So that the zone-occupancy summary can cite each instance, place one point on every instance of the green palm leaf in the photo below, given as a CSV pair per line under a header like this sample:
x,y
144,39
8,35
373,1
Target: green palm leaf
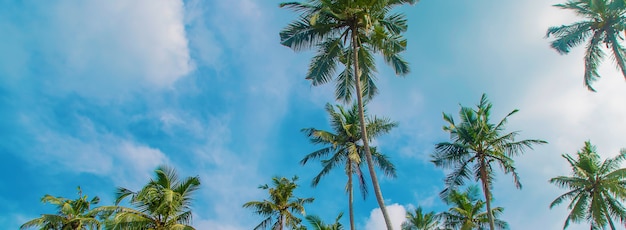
x,y
596,189
603,21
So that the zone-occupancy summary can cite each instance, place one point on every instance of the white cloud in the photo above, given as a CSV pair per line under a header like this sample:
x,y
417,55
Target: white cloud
x,y
203,41
397,214
140,159
101,49
91,150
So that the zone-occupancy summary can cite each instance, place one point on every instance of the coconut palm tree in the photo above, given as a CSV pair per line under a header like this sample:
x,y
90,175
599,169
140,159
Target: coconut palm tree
x,y
350,32
596,188
343,144
278,210
162,204
603,21
317,223
71,214
418,220
467,211
476,145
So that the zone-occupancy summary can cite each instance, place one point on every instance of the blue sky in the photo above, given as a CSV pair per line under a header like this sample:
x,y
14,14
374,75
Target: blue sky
x,y
99,93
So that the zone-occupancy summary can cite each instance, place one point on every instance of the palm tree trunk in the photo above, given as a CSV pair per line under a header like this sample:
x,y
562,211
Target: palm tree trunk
x,y
350,195
368,154
485,182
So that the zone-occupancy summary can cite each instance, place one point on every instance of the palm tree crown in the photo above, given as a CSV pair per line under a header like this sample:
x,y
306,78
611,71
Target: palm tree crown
x,y
476,145
162,204
468,212
339,27
597,188
350,32
71,214
604,19
278,210
344,146
317,223
418,220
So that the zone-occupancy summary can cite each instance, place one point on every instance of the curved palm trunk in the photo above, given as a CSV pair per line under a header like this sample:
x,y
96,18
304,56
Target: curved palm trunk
x,y
483,178
368,154
350,195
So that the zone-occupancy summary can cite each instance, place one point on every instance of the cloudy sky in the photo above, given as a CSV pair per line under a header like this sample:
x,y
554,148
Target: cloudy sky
x,y
98,93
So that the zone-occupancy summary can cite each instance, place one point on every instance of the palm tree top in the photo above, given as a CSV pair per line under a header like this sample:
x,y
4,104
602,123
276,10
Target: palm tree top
x,y
343,144
468,211
596,188
604,20
278,209
317,223
333,26
163,203
71,214
419,220
476,138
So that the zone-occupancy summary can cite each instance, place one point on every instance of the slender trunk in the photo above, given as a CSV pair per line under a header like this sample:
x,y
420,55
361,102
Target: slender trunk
x,y
485,182
350,195
368,154
282,222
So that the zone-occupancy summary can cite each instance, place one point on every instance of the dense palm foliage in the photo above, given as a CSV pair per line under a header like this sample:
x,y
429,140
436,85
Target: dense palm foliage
x,y
343,144
317,223
597,188
162,204
467,211
418,220
71,214
476,145
279,209
604,20
350,32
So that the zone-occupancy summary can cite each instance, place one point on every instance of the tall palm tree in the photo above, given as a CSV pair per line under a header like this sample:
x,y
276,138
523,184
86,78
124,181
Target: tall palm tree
x,y
468,213
317,223
162,204
476,145
343,144
597,188
350,32
604,19
418,220
279,209
71,214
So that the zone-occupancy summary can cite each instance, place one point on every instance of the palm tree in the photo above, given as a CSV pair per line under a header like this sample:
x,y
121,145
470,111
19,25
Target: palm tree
x,y
597,189
278,209
417,220
467,211
476,145
162,204
604,19
318,224
343,144
71,214
350,32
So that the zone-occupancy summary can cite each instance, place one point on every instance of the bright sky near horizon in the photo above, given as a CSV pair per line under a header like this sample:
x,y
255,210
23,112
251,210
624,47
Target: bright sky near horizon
x,y
98,93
